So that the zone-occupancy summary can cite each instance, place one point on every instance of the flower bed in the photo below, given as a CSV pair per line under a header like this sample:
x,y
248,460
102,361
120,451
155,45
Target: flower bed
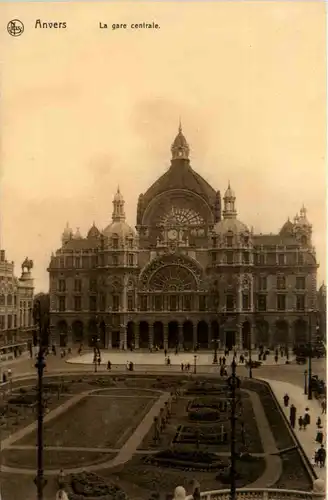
x,y
186,459
88,485
204,415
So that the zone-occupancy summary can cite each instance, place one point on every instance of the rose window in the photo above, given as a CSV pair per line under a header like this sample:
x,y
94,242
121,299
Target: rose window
x,y
181,217
172,278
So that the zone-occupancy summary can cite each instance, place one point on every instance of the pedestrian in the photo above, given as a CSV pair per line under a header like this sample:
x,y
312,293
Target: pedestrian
x,y
61,479
182,367
300,423
188,367
307,418
318,424
319,437
127,365
220,361
316,458
165,352
223,360
99,360
276,358
109,365
292,416
168,360
286,400
323,406
4,378
322,456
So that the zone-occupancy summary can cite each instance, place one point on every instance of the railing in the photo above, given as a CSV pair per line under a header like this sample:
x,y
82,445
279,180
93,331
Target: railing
x,y
263,494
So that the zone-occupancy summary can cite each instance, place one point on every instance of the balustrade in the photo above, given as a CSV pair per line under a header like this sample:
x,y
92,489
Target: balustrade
x,y
263,494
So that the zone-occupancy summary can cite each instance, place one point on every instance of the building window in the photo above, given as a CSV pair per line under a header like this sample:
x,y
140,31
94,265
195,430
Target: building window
x,y
2,300
281,302
94,261
187,303
246,257
229,257
62,286
230,303
300,302
115,260
93,303
261,259
229,241
262,283
158,303
261,302
61,262
202,303
143,303
130,259
93,285
9,324
130,243
77,304
130,303
102,302
62,304
246,302
173,301
15,300
9,300
281,259
301,258
214,242
116,302
214,257
281,282
77,285
115,242
2,322
78,262
15,321
300,282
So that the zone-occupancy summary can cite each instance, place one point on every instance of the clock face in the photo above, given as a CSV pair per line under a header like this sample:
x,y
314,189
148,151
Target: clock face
x,y
172,234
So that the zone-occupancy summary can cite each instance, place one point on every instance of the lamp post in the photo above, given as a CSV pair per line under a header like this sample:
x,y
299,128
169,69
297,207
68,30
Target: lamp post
x,y
310,357
250,361
215,357
305,382
234,383
195,364
40,365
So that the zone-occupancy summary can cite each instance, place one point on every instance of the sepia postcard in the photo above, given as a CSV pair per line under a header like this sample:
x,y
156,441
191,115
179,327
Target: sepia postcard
x,y
163,250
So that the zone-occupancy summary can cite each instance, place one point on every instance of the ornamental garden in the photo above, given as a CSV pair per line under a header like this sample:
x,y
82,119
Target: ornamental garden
x,y
139,436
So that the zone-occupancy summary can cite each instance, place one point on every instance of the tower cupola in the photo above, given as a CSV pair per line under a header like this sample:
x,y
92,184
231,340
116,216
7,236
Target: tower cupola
x,y
180,148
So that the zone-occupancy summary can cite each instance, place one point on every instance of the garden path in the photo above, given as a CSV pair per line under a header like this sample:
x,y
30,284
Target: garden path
x,y
273,468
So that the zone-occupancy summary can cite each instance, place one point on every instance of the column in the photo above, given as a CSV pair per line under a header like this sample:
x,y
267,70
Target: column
x,y
253,335
166,335
151,335
194,333
108,342
180,336
239,339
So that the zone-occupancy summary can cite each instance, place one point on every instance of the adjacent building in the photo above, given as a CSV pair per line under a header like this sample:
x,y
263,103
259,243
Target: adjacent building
x,y
16,298
190,273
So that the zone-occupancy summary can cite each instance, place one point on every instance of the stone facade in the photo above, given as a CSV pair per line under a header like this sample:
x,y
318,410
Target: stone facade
x,y
16,299
190,274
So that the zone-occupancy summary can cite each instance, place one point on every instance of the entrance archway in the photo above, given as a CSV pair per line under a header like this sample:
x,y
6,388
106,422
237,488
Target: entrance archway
x,y
102,335
301,334
173,335
188,334
116,341
158,340
62,330
130,338
92,332
143,334
230,339
202,335
77,331
281,333
246,335
262,333
215,330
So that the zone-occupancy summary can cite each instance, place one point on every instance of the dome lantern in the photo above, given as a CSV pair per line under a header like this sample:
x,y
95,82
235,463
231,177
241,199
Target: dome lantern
x,y
180,148
118,207
229,211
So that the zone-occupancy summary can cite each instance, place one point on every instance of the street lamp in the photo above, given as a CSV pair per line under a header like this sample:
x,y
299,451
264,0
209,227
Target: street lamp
x,y
215,357
250,361
234,383
305,382
38,316
195,363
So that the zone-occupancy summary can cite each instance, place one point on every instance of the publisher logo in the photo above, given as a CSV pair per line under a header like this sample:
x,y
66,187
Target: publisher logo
x,y
15,27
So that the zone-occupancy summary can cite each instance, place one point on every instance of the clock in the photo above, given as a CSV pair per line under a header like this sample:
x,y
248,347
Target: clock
x,y
172,234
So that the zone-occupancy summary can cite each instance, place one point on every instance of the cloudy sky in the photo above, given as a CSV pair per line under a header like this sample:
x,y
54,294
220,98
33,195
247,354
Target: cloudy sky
x,y
85,109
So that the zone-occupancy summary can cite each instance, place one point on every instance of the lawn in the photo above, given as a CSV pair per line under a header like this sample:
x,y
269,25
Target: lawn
x,y
95,422
54,459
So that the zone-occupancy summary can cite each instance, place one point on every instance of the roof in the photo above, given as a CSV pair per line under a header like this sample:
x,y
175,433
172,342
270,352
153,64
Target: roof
x,y
274,239
226,225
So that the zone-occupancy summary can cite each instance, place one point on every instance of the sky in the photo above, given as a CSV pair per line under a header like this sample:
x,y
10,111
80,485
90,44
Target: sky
x,y
87,109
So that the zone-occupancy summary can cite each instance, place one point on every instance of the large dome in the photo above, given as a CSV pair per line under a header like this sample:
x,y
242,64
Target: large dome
x,y
227,225
119,228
